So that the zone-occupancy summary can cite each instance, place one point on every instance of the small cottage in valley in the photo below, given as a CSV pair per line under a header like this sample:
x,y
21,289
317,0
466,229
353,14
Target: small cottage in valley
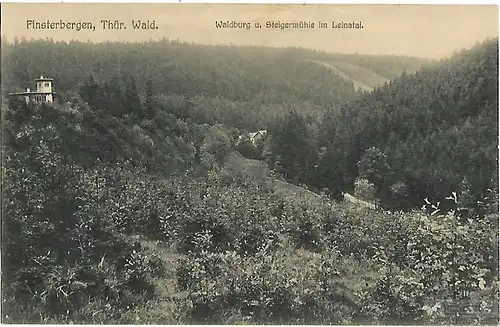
x,y
258,136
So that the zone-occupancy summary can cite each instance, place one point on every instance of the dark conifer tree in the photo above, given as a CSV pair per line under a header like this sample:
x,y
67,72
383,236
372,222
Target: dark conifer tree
x,y
150,100
93,93
116,98
133,100
291,147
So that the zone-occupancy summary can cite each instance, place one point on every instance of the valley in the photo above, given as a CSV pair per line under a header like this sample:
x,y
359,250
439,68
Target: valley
x,y
140,194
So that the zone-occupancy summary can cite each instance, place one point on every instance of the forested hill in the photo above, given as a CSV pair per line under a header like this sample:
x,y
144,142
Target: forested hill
x,y
434,131
222,83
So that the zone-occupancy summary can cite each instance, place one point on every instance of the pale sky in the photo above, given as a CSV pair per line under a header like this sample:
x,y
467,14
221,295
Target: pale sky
x,y
434,31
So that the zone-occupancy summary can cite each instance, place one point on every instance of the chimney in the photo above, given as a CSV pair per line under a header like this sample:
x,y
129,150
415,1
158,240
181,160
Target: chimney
x,y
28,90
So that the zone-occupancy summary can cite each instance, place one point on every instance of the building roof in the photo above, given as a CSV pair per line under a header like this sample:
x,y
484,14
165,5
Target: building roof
x,y
44,78
254,134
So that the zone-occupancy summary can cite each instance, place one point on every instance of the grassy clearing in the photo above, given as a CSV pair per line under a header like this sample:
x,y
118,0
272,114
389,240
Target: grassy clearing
x,y
362,78
237,164
362,75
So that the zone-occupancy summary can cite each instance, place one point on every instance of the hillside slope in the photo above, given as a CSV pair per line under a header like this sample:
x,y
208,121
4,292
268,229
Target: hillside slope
x,y
437,128
258,170
243,87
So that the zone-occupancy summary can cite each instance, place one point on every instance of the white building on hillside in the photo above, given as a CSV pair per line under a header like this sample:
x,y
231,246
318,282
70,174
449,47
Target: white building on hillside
x,y
44,91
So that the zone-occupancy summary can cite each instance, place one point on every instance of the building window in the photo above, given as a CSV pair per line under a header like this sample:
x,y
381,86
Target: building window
x,y
47,84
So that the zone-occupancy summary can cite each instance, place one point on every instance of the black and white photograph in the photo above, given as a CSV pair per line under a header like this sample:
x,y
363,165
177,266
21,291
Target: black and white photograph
x,y
249,164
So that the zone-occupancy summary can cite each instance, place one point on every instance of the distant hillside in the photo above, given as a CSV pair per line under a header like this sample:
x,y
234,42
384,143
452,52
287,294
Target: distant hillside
x,y
243,87
437,128
387,66
234,73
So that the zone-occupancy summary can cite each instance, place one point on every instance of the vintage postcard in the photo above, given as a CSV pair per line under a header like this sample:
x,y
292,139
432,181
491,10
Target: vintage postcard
x,y
249,164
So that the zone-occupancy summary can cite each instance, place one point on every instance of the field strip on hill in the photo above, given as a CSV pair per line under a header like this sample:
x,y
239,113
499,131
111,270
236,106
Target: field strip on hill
x,y
363,75
342,68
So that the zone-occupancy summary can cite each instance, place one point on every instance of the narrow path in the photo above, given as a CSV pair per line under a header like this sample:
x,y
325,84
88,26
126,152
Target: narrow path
x,y
349,198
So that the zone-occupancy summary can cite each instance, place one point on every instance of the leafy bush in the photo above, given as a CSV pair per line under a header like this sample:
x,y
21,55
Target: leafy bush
x,y
364,190
373,167
217,144
248,149
266,288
